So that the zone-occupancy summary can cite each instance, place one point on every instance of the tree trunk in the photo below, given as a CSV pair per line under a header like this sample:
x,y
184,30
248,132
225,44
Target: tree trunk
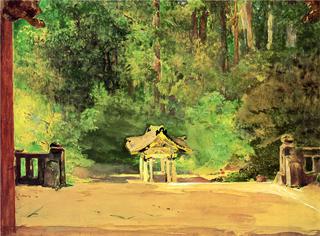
x,y
203,25
7,170
223,36
244,27
194,23
236,33
157,52
270,29
250,36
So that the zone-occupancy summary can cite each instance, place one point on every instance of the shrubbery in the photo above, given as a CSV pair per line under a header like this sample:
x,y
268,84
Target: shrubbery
x,y
88,81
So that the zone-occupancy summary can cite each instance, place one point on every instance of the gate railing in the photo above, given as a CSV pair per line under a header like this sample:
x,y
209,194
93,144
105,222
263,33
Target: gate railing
x,y
46,169
311,159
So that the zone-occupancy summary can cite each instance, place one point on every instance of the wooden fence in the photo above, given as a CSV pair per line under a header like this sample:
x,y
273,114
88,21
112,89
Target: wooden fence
x,y
46,169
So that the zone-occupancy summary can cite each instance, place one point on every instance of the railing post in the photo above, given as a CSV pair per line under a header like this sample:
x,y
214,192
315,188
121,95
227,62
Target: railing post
x,y
18,170
29,168
40,171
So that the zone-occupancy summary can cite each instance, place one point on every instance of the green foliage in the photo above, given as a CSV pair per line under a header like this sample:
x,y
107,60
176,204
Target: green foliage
x,y
212,133
82,44
39,123
35,122
196,4
286,102
116,117
237,177
87,81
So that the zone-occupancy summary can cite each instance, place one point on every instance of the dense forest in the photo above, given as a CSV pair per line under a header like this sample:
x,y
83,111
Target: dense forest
x,y
232,76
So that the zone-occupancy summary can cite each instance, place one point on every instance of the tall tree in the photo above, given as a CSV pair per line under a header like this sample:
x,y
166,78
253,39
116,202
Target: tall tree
x,y
247,10
270,28
157,53
194,23
236,33
203,25
84,53
223,36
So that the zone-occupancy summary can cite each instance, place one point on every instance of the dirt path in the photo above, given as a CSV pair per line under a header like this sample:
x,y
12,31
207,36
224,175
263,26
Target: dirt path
x,y
168,209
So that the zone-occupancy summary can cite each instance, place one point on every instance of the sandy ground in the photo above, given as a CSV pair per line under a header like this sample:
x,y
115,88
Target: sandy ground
x,y
136,208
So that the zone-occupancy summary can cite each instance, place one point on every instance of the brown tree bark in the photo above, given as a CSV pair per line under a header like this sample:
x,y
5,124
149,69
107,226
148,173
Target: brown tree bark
x,y
7,182
194,23
250,36
157,53
270,28
203,25
223,36
236,33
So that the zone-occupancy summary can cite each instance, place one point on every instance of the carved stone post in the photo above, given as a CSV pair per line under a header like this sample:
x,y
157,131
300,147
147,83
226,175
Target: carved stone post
x,y
284,153
316,164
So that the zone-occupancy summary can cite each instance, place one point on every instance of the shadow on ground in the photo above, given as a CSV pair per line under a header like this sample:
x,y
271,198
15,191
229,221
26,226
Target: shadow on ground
x,y
113,174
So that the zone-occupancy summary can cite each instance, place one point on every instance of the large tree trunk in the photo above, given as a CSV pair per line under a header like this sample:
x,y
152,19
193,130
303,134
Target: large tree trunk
x,y
203,25
157,48
223,36
236,33
7,182
270,29
246,19
250,36
194,23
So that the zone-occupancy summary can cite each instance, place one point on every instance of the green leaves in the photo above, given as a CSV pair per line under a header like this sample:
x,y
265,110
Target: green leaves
x,y
196,4
92,69
286,102
212,132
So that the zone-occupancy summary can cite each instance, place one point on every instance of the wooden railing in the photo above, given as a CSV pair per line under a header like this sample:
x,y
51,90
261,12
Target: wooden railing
x,y
50,168
311,159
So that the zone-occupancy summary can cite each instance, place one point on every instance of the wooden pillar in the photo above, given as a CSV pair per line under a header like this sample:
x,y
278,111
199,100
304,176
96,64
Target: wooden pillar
x,y
18,169
163,165
7,185
141,167
63,180
41,170
168,170
174,170
145,171
151,170
29,168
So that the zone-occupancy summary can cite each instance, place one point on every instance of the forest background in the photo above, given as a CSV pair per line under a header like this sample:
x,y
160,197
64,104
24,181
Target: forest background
x,y
232,76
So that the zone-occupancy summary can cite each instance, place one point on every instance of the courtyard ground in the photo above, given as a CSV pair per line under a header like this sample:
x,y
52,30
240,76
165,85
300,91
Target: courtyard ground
x,y
136,208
